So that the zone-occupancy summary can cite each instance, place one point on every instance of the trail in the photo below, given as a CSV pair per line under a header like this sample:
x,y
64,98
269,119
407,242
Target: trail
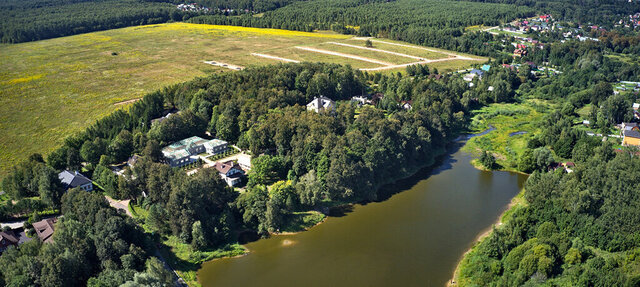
x,y
379,50
127,102
274,58
225,65
456,56
409,64
344,55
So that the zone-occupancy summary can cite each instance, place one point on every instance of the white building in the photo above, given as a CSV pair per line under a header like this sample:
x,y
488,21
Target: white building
x,y
321,104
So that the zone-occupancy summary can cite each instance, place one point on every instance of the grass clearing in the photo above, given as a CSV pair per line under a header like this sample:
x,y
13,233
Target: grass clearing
x,y
417,51
300,221
386,57
309,56
507,120
52,88
186,261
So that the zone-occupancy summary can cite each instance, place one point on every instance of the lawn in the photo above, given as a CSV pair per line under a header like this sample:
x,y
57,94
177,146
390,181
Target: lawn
x,y
52,88
507,119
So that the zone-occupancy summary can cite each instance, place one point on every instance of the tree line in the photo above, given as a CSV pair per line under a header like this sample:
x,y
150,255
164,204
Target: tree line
x,y
430,23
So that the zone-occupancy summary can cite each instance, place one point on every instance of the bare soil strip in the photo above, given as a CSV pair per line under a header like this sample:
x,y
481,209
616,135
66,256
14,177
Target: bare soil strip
x,y
344,55
409,64
379,50
127,102
458,57
274,58
224,65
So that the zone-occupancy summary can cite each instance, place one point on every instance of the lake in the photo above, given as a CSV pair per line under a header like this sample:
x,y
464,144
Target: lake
x,y
414,238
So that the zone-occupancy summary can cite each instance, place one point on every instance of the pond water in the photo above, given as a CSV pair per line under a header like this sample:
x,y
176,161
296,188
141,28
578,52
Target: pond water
x,y
414,238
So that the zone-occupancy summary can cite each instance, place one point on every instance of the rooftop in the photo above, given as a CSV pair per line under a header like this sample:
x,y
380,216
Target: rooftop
x,y
179,149
73,179
632,134
44,229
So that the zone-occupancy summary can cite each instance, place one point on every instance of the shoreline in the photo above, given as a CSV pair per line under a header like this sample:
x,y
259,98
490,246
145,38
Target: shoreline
x,y
483,235
453,145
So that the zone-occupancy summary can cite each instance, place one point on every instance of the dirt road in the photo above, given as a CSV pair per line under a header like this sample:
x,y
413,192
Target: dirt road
x,y
274,58
344,55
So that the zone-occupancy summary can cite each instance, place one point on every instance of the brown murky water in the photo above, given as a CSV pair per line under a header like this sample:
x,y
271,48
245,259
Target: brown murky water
x,y
414,238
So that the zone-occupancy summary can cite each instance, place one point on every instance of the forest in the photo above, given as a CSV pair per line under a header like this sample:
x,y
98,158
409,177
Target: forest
x,y
308,161
32,20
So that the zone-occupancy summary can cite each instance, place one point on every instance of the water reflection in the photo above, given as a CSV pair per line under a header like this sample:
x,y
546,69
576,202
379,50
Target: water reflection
x,y
414,237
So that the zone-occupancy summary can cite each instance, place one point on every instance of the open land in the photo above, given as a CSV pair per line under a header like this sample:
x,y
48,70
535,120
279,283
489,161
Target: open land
x,y
52,88
515,125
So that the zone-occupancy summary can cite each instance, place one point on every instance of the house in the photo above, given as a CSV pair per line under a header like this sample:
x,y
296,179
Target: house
x,y
469,77
321,104
361,100
477,72
184,152
519,53
244,160
230,171
636,106
377,97
75,179
215,146
7,239
133,160
406,105
569,166
163,118
631,138
44,229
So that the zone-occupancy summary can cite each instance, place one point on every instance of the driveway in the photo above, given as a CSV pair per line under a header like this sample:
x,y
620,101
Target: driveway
x,y
120,204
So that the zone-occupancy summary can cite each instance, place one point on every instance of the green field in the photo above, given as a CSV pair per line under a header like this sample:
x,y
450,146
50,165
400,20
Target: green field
x,y
507,119
52,88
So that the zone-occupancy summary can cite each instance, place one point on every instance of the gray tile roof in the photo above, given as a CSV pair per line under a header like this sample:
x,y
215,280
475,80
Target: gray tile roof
x,y
632,134
72,179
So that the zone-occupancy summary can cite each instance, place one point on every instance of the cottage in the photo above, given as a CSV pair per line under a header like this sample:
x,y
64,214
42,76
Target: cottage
x,y
74,180
321,104
45,228
230,172
7,239
469,77
631,138
215,146
519,53
361,100
406,105
184,152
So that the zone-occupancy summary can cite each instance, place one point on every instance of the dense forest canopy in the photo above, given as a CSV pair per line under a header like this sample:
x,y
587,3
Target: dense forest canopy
x,y
31,20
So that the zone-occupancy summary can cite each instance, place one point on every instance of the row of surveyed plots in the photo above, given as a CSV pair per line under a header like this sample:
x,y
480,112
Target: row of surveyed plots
x,y
381,55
